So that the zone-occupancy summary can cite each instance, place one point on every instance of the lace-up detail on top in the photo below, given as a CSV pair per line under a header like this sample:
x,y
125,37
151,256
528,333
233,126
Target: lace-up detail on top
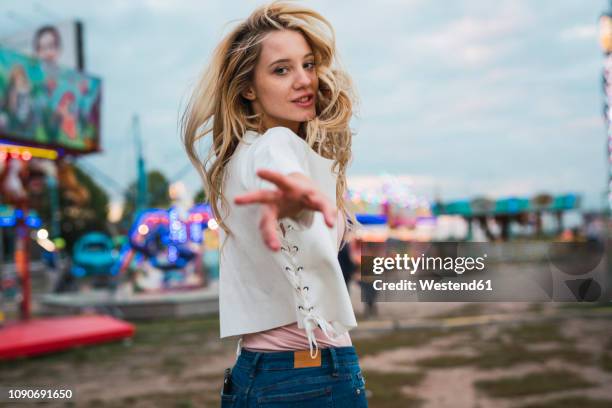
x,y
295,272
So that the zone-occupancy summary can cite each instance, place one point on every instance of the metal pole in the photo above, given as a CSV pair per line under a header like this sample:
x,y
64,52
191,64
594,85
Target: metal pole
x,y
22,265
1,246
141,186
55,230
607,82
606,40
608,131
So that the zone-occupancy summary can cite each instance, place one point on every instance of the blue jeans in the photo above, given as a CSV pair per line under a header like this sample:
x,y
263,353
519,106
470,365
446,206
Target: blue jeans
x,y
269,380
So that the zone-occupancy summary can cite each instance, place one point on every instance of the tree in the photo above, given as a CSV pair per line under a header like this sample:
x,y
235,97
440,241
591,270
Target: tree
x,y
83,206
200,196
157,195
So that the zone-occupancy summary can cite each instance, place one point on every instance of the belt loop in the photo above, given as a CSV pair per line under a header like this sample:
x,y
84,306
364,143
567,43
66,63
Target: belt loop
x,y
254,365
238,348
334,360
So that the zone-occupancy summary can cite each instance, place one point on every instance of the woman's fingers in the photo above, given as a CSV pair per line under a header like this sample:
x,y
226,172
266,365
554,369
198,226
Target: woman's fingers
x,y
280,180
258,197
294,195
267,226
318,202
269,214
330,215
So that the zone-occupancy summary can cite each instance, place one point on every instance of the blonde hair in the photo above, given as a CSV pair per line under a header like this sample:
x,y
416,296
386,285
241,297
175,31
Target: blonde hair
x,y
217,106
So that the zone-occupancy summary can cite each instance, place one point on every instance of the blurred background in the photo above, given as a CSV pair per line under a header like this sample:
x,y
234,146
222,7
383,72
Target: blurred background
x,y
479,122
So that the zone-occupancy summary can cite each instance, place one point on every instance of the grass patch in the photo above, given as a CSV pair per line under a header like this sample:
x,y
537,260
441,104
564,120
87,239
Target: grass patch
x,y
33,366
385,388
606,362
571,402
445,361
188,334
394,379
468,309
508,355
500,356
176,331
535,307
398,339
609,345
535,383
586,306
535,333
173,365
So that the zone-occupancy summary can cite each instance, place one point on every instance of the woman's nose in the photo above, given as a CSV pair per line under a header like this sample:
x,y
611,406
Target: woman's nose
x,y
303,78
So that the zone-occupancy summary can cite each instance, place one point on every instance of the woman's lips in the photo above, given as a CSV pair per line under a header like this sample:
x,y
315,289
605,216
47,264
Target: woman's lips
x,y
304,102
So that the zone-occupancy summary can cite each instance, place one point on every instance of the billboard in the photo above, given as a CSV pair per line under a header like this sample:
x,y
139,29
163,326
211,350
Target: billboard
x,y
60,44
42,104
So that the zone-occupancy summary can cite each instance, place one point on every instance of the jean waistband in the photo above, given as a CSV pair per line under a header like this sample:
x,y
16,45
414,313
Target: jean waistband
x,y
281,360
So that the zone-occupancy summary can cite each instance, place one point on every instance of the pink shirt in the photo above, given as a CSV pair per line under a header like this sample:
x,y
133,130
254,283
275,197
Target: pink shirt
x,y
289,338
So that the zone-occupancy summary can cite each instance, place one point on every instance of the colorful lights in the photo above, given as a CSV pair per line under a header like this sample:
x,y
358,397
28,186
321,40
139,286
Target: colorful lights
x,y
195,230
178,232
10,215
212,224
391,195
42,234
26,153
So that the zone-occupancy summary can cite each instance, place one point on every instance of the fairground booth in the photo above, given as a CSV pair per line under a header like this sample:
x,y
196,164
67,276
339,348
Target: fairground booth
x,y
49,115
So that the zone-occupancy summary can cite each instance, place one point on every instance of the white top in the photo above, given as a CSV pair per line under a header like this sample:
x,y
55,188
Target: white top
x,y
260,289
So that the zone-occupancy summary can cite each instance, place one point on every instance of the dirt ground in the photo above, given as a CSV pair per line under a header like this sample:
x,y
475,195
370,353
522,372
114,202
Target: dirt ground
x,y
534,357
412,355
548,364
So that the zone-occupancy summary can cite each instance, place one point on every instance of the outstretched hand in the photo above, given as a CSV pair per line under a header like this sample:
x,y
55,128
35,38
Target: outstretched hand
x,y
295,193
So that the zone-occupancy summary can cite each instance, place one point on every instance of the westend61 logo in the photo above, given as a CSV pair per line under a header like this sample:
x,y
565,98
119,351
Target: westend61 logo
x,y
412,264
536,271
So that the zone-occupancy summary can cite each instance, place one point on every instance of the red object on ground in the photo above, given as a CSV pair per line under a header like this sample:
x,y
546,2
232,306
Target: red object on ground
x,y
40,336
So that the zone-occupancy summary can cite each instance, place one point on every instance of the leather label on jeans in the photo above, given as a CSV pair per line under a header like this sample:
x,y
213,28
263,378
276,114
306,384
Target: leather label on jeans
x,y
302,359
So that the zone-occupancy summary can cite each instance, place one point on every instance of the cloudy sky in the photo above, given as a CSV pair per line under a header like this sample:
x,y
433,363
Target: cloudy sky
x,y
468,97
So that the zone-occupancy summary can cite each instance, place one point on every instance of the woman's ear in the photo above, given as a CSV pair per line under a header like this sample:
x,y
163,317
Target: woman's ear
x,y
249,94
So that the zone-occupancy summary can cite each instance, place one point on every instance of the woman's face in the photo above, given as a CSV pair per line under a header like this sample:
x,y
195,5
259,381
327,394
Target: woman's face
x,y
48,48
285,84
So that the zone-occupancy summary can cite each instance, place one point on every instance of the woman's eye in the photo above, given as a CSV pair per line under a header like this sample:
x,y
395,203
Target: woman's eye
x,y
281,70
309,65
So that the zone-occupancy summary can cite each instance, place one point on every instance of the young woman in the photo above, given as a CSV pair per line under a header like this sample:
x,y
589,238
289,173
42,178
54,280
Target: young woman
x,y
278,106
